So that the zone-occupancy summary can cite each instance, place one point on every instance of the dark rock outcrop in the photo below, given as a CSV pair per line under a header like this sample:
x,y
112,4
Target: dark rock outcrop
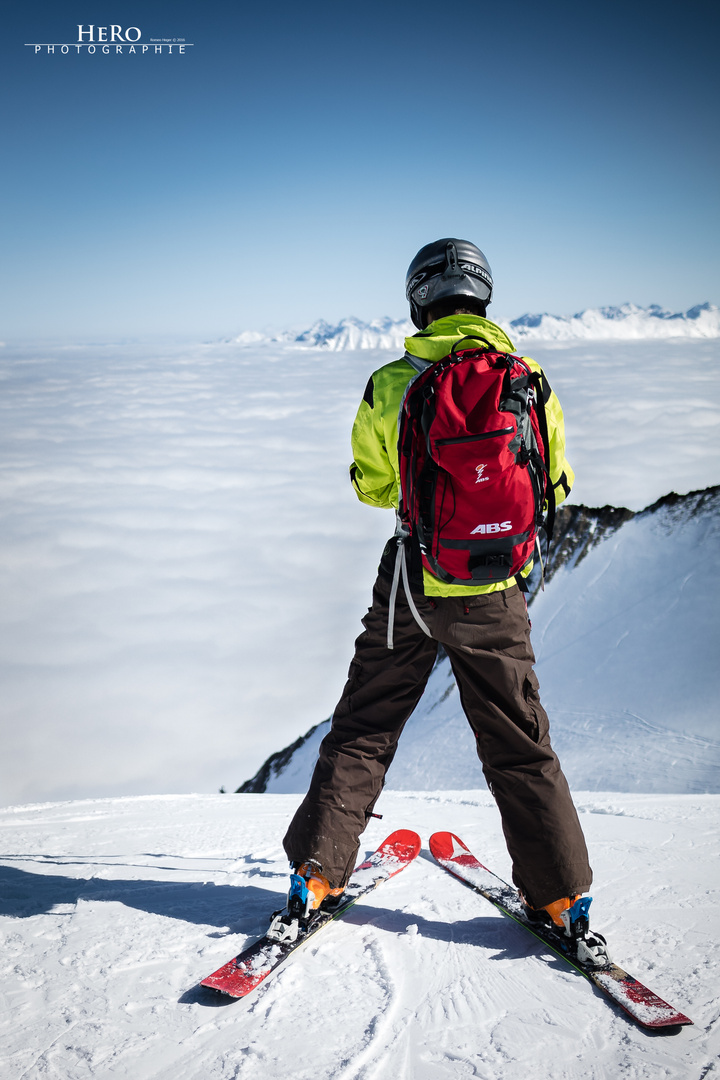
x,y
274,765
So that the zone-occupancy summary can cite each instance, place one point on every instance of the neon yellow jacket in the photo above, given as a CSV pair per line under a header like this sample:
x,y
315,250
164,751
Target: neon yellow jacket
x,y
375,471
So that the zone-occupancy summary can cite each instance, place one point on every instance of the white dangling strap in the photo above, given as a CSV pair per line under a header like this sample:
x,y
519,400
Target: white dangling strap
x,y
540,558
416,614
393,596
401,566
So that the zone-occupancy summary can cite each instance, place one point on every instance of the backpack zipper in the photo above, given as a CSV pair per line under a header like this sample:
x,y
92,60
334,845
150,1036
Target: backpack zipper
x,y
475,438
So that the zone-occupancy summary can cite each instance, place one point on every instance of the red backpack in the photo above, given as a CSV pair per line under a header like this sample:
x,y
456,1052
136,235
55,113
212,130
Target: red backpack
x,y
473,451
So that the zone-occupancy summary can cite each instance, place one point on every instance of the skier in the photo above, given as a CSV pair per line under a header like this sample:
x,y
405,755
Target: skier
x,y
483,628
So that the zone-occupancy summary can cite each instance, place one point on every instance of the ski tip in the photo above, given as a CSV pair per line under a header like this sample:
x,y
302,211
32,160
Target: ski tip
x,y
674,1029
223,983
667,1022
403,844
639,1001
446,847
668,1027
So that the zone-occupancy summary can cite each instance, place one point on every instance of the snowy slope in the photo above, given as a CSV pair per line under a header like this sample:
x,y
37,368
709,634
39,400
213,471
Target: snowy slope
x,y
112,910
626,637
629,322
627,646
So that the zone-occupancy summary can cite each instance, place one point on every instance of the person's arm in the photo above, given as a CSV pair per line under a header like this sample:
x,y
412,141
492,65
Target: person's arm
x,y
371,472
562,476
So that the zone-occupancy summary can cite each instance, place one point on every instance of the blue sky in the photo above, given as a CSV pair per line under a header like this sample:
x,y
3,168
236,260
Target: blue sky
x,y
289,165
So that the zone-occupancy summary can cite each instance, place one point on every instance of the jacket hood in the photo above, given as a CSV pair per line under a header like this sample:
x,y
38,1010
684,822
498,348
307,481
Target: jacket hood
x,y
439,337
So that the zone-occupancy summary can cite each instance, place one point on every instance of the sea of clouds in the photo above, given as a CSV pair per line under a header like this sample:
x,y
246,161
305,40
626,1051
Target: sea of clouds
x,y
183,564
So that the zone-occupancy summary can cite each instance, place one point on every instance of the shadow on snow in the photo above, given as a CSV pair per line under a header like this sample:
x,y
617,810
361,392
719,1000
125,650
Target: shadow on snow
x,y
233,909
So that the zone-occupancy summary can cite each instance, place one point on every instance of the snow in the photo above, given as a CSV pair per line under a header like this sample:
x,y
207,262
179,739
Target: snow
x,y
629,322
643,602
353,333
112,910
625,323
183,567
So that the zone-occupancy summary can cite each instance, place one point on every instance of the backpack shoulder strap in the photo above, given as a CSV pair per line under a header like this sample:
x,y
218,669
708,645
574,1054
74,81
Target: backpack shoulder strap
x,y
542,394
417,362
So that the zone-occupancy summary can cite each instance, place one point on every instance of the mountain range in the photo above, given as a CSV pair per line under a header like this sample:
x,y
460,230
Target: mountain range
x,y
625,323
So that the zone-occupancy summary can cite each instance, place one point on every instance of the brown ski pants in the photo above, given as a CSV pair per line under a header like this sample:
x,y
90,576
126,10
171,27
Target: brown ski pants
x,y
487,638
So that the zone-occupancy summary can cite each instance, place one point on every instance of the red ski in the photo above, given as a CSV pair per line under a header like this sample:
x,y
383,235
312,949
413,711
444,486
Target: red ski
x,y
252,966
644,1006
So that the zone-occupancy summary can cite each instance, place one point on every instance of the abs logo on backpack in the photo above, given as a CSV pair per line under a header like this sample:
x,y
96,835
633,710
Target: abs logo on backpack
x,y
494,527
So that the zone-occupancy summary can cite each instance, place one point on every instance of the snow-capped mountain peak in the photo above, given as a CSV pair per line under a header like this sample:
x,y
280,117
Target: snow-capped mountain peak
x,y
352,333
625,323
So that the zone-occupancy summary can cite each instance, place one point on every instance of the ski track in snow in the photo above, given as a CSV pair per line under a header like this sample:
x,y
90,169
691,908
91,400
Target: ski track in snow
x,y
111,911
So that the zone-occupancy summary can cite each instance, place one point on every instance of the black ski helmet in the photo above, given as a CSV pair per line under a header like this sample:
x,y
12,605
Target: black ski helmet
x,y
448,267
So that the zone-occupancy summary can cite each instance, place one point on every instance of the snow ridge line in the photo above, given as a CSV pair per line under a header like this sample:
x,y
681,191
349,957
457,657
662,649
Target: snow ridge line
x,y
629,322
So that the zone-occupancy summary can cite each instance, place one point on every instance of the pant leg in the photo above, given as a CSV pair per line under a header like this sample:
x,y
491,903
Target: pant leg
x,y
487,638
383,688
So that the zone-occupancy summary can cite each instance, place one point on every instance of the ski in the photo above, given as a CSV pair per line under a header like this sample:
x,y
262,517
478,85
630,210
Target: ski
x,y
252,966
644,1006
